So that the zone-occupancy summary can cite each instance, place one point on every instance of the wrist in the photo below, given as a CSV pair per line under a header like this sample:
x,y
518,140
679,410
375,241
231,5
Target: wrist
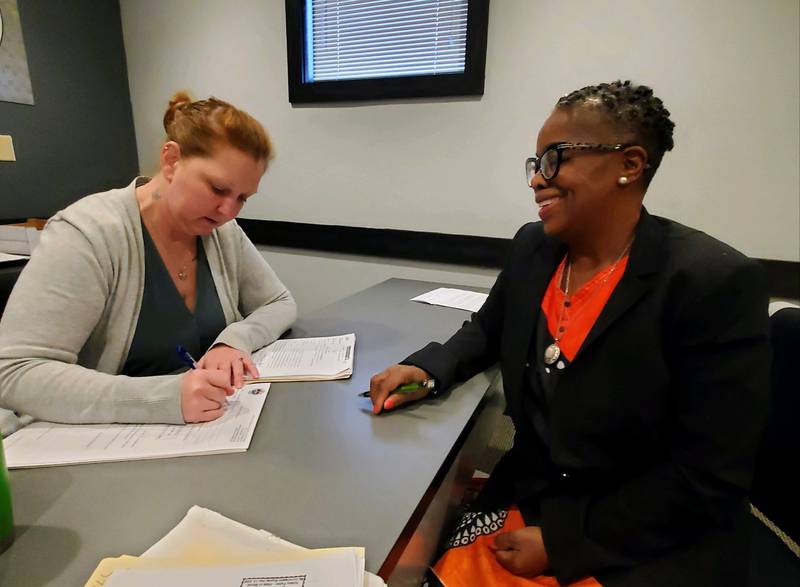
x,y
432,385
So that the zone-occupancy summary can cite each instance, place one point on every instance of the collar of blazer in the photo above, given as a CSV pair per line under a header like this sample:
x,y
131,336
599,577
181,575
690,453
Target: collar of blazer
x,y
644,260
535,267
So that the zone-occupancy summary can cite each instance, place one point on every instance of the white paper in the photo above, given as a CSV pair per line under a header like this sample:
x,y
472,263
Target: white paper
x,y
19,240
307,359
336,568
44,444
453,298
775,306
7,258
204,530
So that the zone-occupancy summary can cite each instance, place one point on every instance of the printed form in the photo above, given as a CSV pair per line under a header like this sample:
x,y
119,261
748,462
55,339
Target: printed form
x,y
205,539
338,567
306,359
44,444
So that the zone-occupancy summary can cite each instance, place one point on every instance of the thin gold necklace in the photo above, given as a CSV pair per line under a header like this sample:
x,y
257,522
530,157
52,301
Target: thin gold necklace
x,y
183,272
553,350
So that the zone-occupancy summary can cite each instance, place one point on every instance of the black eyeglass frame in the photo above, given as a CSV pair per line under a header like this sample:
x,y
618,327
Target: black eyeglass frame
x,y
534,163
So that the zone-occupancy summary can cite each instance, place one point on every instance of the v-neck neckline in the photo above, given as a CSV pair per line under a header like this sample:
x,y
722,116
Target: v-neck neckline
x,y
162,267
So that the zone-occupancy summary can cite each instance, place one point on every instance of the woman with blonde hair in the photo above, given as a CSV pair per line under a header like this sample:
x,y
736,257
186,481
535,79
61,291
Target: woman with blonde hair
x,y
122,277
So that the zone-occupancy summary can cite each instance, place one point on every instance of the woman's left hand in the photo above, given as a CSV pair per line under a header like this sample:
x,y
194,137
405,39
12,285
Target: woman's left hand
x,y
522,551
230,360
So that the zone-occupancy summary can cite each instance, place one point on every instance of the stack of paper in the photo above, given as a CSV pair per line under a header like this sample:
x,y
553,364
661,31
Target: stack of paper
x,y
44,444
453,298
18,239
306,359
206,548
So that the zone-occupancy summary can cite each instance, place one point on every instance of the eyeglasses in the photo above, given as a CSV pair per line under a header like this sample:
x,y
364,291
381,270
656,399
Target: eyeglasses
x,y
550,161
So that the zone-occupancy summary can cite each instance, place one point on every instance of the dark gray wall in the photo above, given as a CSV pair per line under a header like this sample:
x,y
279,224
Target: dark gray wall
x,y
78,138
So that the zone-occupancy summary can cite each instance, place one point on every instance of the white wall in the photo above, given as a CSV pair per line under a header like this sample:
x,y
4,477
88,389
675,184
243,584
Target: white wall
x,y
318,279
727,69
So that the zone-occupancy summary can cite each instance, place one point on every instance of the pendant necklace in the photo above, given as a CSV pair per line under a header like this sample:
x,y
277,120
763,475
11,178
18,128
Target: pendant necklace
x,y
553,350
183,272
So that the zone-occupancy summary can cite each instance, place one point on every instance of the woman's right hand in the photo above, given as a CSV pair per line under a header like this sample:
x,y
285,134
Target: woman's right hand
x,y
203,394
384,383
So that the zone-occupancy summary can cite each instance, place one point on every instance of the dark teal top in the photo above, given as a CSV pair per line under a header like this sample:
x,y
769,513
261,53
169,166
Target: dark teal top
x,y
164,320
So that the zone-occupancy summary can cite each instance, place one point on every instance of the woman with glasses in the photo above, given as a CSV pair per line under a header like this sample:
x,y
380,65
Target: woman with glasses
x,y
123,277
635,368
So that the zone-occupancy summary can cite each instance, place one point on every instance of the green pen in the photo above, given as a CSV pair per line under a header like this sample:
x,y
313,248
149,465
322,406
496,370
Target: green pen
x,y
428,384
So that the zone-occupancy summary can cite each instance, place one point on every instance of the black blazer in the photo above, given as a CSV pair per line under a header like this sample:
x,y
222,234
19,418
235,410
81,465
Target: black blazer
x,y
655,423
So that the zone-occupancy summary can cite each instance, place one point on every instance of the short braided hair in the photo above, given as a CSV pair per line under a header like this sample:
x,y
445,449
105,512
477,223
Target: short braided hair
x,y
634,110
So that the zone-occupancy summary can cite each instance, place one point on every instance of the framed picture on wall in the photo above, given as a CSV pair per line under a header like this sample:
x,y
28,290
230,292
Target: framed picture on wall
x,y
343,50
15,80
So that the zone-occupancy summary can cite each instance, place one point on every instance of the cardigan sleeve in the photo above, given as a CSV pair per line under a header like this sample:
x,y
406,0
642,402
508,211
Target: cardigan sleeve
x,y
719,355
267,306
54,309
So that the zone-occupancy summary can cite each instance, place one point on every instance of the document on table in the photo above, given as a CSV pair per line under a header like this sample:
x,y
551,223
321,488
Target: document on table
x,y
44,444
306,359
337,567
453,298
9,258
18,239
204,538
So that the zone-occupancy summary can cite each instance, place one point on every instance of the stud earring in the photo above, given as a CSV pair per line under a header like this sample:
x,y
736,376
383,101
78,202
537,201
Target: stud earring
x,y
622,180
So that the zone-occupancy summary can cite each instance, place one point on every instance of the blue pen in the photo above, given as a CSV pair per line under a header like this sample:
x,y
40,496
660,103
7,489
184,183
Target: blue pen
x,y
186,357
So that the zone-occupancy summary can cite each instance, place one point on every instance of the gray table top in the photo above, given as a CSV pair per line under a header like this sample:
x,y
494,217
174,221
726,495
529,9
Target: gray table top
x,y
321,469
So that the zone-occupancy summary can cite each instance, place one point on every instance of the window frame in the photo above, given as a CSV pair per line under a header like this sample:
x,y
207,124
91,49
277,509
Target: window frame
x,y
468,83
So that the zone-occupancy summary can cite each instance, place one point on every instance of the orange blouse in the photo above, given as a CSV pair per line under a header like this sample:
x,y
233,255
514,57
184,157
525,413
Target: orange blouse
x,y
581,310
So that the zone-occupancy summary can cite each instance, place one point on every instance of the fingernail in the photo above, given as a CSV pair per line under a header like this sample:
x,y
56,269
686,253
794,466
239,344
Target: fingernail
x,y
389,404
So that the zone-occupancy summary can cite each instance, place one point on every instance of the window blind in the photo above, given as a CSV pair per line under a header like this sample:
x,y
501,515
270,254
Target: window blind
x,y
362,39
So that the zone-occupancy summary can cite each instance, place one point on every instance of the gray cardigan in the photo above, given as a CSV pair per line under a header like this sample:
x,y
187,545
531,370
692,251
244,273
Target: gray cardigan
x,y
69,323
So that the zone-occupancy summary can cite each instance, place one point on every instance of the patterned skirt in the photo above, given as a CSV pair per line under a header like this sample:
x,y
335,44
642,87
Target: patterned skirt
x,y
469,562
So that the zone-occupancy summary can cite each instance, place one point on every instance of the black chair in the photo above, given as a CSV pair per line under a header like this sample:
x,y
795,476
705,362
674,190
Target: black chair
x,y
8,277
776,485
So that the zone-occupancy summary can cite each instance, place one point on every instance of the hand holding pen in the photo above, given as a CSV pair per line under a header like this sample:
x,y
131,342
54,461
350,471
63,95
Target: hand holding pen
x,y
238,364
397,385
203,391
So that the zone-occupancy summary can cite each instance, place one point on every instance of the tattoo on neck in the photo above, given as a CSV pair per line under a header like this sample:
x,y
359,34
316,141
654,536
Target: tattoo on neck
x,y
156,195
